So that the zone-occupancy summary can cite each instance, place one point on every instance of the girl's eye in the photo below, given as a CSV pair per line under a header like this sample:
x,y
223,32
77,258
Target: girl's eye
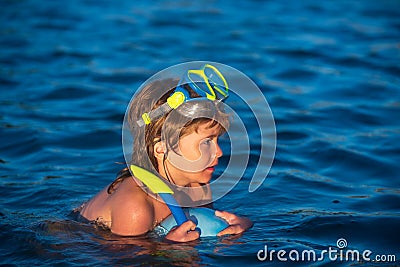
x,y
207,141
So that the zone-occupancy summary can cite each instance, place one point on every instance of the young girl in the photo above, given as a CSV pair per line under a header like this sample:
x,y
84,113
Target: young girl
x,y
126,206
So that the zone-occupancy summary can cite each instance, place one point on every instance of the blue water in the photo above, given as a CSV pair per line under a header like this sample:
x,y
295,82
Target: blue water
x,y
329,69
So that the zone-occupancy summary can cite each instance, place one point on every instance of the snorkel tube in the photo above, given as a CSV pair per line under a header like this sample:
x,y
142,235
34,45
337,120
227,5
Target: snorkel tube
x,y
208,224
157,186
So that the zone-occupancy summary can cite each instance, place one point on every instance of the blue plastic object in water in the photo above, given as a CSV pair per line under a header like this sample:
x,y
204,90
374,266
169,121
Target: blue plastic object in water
x,y
176,210
207,222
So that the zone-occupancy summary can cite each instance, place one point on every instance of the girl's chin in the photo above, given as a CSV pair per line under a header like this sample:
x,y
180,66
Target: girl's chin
x,y
206,178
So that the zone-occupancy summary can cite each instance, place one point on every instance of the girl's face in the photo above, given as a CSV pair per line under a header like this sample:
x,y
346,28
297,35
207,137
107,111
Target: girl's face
x,y
192,146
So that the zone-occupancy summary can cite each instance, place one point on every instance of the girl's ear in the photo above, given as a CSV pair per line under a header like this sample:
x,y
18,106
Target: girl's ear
x,y
159,150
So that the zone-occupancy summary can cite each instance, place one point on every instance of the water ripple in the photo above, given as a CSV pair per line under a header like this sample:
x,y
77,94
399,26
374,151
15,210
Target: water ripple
x,y
328,69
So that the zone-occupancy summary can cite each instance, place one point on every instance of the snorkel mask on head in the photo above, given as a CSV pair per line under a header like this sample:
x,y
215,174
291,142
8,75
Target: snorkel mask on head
x,y
208,83
210,88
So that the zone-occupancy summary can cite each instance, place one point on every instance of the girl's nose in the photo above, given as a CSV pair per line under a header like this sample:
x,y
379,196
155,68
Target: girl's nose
x,y
218,152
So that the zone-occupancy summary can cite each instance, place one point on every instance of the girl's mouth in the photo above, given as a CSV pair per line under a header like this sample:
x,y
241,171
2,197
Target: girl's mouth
x,y
211,168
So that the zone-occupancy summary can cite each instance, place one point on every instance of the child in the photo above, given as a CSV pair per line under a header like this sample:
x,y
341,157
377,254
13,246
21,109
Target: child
x,y
126,206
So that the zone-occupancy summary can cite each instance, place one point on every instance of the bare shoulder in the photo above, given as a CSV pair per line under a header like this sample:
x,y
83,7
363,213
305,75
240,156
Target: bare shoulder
x,y
132,213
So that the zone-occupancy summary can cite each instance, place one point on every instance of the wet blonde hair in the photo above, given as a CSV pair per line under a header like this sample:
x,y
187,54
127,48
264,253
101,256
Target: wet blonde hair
x,y
147,136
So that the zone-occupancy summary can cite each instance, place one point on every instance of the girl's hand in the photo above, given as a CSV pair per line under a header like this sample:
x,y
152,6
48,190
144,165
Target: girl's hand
x,y
183,233
237,224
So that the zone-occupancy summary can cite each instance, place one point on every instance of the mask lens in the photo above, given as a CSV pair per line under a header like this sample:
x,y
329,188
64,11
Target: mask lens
x,y
198,82
217,82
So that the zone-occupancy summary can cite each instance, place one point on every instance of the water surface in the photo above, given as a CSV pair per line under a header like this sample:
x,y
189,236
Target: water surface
x,y
330,71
